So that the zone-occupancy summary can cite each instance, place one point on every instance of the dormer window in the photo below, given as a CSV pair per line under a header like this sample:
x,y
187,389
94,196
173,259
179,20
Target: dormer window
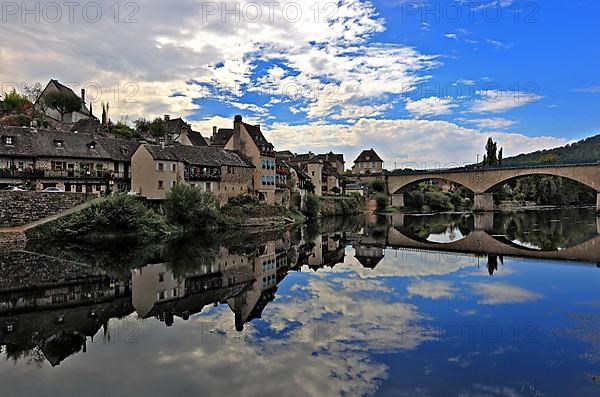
x,y
58,143
9,140
91,145
124,151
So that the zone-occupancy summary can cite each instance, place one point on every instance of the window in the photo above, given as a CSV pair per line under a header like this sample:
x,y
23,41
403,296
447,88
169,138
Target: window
x,y
161,185
21,166
173,183
92,145
9,140
161,277
174,293
160,166
208,187
174,167
58,144
160,295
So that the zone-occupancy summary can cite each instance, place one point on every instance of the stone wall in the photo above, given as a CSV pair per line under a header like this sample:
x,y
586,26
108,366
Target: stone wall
x,y
21,208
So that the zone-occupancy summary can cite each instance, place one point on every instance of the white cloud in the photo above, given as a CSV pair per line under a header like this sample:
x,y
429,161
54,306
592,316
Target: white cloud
x,y
496,101
411,143
498,294
490,124
326,56
431,106
432,289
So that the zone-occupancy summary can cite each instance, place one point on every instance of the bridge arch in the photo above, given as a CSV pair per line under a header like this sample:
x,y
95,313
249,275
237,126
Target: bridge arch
x,y
582,179
483,182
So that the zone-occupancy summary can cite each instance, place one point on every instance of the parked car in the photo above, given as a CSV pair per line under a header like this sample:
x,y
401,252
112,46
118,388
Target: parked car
x,y
14,189
53,190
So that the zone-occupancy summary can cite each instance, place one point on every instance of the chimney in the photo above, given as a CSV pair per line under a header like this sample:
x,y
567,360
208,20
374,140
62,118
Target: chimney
x,y
83,95
215,129
237,119
167,117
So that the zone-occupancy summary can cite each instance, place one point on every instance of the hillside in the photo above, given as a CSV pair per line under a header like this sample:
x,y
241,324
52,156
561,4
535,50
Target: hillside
x,y
585,151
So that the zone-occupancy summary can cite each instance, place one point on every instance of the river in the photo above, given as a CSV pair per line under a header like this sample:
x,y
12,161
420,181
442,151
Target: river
x,y
404,305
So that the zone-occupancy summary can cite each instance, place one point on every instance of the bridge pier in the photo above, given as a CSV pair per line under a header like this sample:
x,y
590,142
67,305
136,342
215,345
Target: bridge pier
x,y
484,202
484,221
398,200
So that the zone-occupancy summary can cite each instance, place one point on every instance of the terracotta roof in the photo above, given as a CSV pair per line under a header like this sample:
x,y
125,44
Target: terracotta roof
x,y
368,156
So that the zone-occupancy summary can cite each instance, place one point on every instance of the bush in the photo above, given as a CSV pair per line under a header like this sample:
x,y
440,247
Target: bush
x,y
415,199
296,201
115,215
192,209
382,202
312,207
378,186
438,201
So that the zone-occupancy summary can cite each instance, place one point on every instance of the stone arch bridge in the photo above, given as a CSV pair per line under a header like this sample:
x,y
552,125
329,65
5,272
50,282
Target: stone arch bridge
x,y
483,182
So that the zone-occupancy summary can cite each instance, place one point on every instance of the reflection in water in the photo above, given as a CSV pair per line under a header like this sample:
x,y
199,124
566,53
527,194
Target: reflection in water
x,y
358,305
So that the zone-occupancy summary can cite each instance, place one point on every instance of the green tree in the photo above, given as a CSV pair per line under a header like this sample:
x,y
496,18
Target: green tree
x,y
491,157
63,102
312,206
192,209
378,186
156,128
500,156
381,201
15,101
122,129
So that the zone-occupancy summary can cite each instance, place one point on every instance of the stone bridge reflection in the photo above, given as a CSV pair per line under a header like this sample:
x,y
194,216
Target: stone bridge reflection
x,y
482,241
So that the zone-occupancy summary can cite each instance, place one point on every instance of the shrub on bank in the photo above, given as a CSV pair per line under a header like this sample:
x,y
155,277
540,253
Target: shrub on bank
x,y
192,209
114,215
312,207
381,200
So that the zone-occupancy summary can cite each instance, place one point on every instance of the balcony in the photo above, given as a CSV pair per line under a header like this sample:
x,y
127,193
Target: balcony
x,y
202,176
35,173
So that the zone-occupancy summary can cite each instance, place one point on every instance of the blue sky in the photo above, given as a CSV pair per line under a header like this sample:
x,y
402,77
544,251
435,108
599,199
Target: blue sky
x,y
425,83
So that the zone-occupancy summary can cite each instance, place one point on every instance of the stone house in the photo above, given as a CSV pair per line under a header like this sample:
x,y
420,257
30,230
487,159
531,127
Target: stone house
x,y
368,162
181,132
249,141
39,159
224,173
54,86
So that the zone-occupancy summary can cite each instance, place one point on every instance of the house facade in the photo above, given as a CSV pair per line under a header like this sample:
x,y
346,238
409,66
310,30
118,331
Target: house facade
x,y
368,162
55,86
249,141
157,169
83,163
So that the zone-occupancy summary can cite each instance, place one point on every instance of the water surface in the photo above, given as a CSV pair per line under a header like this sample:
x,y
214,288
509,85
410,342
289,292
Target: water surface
x,y
404,305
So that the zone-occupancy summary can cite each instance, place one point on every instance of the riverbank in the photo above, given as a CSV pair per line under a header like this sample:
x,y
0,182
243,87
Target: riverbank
x,y
125,216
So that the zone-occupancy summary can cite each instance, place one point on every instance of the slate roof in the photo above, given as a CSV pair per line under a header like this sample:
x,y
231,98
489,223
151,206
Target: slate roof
x,y
222,136
197,139
199,155
258,137
43,143
331,157
368,156
87,126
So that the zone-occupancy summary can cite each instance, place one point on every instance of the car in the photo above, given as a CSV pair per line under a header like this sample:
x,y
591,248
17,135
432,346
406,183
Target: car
x,y
14,189
53,190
